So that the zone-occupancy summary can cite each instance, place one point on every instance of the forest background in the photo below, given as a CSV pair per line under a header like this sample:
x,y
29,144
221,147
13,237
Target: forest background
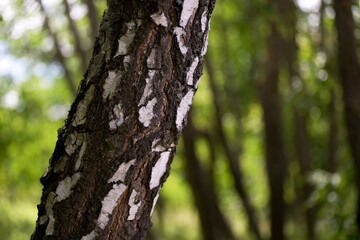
x,y
266,136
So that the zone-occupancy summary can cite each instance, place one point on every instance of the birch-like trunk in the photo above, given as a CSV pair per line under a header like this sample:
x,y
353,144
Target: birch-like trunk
x,y
115,150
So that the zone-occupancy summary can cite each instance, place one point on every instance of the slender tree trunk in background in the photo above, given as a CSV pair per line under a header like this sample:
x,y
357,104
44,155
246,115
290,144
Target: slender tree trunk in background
x,y
302,147
213,224
333,134
76,35
232,151
93,18
58,52
231,155
350,81
114,152
304,158
333,111
322,30
276,161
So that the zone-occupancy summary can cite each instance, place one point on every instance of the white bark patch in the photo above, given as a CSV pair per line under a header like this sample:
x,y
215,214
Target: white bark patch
x,y
50,213
43,219
206,40
146,113
148,87
134,205
81,154
138,22
126,62
151,60
159,19
120,174
126,39
109,203
117,117
189,9
183,109
90,236
110,85
80,116
204,18
65,186
180,35
154,202
159,169
72,142
190,73
156,147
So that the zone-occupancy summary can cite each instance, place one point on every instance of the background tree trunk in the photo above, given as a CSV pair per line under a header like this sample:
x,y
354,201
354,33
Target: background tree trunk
x,y
231,154
58,52
276,162
114,152
350,81
213,222
271,102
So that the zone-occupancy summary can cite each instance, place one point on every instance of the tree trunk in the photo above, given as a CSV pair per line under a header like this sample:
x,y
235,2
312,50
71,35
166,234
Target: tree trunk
x,y
80,52
93,18
213,223
114,152
58,52
231,154
276,161
333,144
350,81
303,155
301,136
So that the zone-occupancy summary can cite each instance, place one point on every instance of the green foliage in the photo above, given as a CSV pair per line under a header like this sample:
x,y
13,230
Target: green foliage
x,y
17,219
28,134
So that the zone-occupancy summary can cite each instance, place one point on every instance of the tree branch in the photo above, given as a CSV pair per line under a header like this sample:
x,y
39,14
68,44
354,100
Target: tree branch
x,y
77,39
58,53
93,18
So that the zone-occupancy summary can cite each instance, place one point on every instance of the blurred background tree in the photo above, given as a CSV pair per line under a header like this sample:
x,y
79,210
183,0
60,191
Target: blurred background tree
x,y
266,152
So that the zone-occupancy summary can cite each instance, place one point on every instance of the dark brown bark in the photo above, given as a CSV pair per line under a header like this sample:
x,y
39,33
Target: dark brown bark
x,y
213,224
350,81
231,155
58,53
114,152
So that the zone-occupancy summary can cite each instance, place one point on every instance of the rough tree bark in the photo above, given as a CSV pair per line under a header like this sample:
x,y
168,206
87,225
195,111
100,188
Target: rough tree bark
x,y
350,81
114,152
